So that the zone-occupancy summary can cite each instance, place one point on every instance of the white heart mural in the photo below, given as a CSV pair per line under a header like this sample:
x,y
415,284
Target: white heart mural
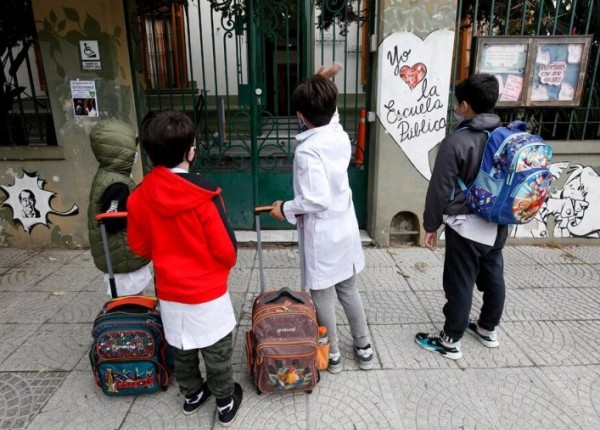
x,y
413,93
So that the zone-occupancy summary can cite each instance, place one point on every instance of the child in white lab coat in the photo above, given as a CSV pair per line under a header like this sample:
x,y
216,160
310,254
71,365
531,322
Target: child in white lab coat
x,y
322,194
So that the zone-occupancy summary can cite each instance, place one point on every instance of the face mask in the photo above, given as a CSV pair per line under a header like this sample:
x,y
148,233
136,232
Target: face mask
x,y
301,124
193,160
459,118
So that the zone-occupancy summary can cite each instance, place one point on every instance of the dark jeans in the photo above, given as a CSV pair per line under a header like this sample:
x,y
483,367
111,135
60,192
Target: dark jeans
x,y
468,263
219,373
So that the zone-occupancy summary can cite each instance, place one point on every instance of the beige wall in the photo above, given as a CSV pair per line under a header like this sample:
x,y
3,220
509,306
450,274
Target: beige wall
x,y
67,170
395,184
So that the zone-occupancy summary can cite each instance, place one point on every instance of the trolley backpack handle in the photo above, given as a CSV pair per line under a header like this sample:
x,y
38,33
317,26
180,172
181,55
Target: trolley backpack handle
x,y
111,276
283,292
300,226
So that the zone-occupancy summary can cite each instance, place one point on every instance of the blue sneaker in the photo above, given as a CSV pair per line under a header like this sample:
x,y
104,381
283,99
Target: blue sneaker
x,y
434,343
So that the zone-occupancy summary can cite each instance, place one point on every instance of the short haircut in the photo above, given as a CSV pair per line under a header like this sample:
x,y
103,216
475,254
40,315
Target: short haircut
x,y
31,195
480,91
316,100
166,136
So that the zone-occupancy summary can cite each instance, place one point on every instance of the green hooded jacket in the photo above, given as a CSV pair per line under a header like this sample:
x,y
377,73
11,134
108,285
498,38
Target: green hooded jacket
x,y
114,145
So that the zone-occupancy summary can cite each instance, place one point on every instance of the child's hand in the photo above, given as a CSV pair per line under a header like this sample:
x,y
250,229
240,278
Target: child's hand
x,y
276,212
329,71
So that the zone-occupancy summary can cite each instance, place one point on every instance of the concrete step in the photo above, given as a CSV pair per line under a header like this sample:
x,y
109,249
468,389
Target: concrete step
x,y
282,237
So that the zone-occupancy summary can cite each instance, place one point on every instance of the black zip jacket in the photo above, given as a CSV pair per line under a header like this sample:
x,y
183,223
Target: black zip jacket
x,y
459,155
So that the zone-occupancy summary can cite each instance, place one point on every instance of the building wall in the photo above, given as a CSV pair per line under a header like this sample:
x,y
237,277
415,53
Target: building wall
x,y
397,186
400,167
60,176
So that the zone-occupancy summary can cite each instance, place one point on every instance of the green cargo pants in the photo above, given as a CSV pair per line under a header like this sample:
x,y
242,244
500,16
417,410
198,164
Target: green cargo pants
x,y
219,373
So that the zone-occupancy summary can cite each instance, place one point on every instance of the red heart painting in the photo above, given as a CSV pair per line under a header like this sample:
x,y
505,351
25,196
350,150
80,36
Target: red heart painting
x,y
413,75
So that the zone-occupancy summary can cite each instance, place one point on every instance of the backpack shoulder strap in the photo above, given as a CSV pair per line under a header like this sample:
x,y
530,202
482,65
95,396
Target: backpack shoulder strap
x,y
459,181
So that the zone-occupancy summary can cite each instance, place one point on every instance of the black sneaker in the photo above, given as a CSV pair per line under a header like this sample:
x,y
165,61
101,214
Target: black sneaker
x,y
490,340
193,402
433,342
229,406
365,357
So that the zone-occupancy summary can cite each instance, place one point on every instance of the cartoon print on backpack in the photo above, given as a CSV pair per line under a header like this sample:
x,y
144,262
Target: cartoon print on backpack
x,y
514,177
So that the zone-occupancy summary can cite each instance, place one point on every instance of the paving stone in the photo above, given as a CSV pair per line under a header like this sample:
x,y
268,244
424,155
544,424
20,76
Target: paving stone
x,y
283,257
545,255
421,276
353,400
531,276
382,279
13,336
34,307
67,279
22,395
270,411
545,374
512,398
246,258
417,256
378,257
83,260
237,300
78,404
397,348
51,258
433,302
163,410
7,297
385,307
576,275
25,278
556,343
552,304
515,256
82,308
56,347
239,280
587,254
10,257
275,279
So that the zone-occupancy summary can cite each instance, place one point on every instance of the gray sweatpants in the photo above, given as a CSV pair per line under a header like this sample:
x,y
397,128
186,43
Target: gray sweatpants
x,y
349,297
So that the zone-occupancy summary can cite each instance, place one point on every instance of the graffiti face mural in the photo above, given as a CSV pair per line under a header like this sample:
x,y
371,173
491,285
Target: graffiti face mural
x,y
30,202
575,206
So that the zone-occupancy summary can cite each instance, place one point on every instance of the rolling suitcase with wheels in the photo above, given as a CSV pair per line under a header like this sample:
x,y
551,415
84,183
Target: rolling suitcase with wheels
x,y
281,348
129,354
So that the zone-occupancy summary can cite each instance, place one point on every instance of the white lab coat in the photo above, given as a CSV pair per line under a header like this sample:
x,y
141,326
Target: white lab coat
x,y
332,246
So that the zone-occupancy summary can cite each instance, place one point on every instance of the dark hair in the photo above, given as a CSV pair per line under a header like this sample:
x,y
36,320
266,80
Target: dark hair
x,y
480,91
316,100
166,136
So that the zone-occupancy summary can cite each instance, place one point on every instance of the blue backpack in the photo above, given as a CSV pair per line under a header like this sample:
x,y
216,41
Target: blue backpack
x,y
514,176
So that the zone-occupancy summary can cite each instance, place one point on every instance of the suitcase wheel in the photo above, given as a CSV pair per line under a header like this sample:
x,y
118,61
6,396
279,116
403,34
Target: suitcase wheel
x,y
258,391
308,391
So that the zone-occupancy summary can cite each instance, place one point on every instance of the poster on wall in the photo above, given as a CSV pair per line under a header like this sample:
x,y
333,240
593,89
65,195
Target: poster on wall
x,y
83,94
535,71
507,60
558,71
412,97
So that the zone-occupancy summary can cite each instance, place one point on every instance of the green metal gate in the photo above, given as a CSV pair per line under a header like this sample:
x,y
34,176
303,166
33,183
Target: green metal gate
x,y
232,65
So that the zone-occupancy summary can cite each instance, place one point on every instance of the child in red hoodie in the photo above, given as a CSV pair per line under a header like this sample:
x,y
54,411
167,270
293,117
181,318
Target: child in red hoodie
x,y
177,219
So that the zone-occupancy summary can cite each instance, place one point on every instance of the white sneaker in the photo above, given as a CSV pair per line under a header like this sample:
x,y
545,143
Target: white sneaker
x,y
365,357
490,340
335,364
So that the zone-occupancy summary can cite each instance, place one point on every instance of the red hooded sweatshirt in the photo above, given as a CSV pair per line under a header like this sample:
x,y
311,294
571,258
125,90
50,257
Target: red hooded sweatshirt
x,y
178,221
